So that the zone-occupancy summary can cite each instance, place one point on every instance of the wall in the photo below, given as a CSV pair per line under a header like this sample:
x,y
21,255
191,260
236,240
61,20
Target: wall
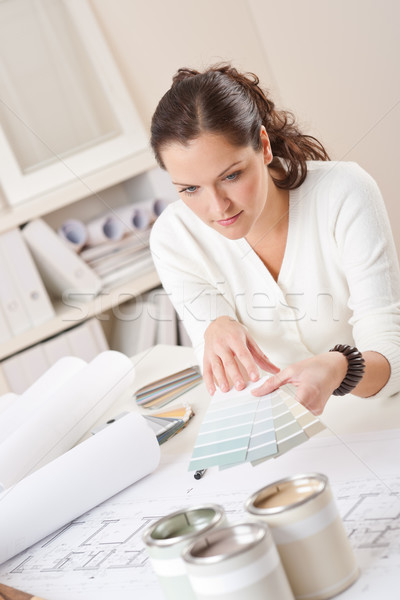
x,y
333,63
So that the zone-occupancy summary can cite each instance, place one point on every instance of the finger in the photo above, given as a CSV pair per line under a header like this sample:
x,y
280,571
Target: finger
x,y
271,384
245,358
232,370
219,374
208,378
260,358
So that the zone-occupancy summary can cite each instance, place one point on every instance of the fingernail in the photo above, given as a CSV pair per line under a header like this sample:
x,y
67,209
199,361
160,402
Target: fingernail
x,y
238,385
254,376
211,391
224,388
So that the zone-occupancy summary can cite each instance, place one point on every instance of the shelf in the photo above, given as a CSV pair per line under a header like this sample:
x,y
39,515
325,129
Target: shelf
x,y
81,188
78,312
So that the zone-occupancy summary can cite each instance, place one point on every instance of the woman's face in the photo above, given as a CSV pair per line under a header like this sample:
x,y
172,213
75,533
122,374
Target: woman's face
x,y
224,185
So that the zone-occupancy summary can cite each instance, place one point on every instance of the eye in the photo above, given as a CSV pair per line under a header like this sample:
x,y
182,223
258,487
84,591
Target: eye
x,y
233,176
190,190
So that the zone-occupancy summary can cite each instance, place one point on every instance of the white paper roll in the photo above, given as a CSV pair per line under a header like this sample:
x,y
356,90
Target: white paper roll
x,y
66,416
74,232
108,228
93,471
25,405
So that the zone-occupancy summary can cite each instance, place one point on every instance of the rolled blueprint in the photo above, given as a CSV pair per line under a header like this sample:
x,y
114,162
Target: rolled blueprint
x,y
108,228
74,232
66,416
159,205
138,215
26,404
67,487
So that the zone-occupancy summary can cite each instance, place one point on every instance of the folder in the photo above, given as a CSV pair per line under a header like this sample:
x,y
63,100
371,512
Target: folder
x,y
10,301
26,277
62,270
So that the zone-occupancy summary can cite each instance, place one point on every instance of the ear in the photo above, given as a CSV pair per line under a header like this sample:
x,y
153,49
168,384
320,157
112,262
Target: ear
x,y
266,146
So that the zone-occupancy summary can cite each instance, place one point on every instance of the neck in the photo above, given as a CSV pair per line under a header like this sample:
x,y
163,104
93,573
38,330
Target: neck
x,y
274,216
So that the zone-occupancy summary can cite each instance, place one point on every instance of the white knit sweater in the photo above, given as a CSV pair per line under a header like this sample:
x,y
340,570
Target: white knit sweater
x,y
339,281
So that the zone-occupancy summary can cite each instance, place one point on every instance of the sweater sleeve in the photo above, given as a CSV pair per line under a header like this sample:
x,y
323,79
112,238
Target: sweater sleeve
x,y
184,271
368,257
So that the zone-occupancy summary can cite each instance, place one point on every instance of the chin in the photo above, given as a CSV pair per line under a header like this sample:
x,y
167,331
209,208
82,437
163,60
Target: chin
x,y
230,234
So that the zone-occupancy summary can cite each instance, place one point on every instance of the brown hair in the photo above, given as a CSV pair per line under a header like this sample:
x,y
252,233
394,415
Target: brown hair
x,y
223,100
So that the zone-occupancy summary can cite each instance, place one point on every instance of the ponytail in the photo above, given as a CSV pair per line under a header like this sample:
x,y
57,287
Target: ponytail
x,y
223,100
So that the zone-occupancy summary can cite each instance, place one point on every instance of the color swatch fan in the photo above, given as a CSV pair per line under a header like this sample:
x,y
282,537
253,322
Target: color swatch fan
x,y
162,391
239,427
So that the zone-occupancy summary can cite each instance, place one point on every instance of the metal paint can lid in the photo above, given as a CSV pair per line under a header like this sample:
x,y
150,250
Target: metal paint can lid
x,y
182,525
226,542
286,494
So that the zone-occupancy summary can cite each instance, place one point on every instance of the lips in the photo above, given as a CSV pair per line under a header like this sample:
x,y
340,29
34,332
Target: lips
x,y
230,221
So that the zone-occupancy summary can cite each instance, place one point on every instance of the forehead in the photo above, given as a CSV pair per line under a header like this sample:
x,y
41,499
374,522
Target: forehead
x,y
206,156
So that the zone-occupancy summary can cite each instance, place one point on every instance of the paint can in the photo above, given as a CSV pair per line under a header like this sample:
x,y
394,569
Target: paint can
x,y
308,533
166,539
236,562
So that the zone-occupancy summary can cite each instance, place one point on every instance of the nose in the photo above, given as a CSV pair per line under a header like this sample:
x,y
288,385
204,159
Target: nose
x,y
219,202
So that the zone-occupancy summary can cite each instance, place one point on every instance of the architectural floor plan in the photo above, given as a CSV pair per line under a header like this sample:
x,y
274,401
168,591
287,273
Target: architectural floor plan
x,y
101,554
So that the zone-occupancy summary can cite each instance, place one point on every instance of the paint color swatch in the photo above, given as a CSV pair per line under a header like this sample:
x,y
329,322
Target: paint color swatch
x,y
160,392
225,432
239,427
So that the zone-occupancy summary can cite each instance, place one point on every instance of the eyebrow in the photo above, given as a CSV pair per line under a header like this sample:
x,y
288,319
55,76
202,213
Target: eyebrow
x,y
220,175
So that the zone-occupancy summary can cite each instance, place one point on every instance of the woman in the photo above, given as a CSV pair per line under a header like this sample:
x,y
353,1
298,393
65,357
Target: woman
x,y
273,249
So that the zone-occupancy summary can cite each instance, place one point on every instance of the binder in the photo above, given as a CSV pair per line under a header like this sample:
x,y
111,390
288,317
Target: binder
x,y
62,270
184,339
98,334
82,342
5,333
135,327
166,318
33,363
26,277
15,376
56,348
10,301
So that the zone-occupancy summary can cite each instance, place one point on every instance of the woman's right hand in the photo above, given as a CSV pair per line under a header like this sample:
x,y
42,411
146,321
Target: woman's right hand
x,y
231,356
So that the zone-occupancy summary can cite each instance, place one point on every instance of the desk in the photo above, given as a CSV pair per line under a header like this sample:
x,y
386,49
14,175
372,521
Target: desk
x,y
100,555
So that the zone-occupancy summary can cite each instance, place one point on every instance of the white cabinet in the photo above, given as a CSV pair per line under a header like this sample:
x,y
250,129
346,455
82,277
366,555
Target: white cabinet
x,y
144,180
69,133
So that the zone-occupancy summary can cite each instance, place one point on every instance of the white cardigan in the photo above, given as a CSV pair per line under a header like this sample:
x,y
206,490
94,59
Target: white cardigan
x,y
339,281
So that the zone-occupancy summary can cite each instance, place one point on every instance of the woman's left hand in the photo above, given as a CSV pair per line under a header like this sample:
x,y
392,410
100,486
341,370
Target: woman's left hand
x,y
314,378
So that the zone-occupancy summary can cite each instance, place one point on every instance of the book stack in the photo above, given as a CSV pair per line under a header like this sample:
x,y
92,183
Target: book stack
x,y
24,301
117,262
85,341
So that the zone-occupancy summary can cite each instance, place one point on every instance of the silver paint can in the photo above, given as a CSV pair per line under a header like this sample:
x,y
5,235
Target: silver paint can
x,y
235,563
308,533
166,538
